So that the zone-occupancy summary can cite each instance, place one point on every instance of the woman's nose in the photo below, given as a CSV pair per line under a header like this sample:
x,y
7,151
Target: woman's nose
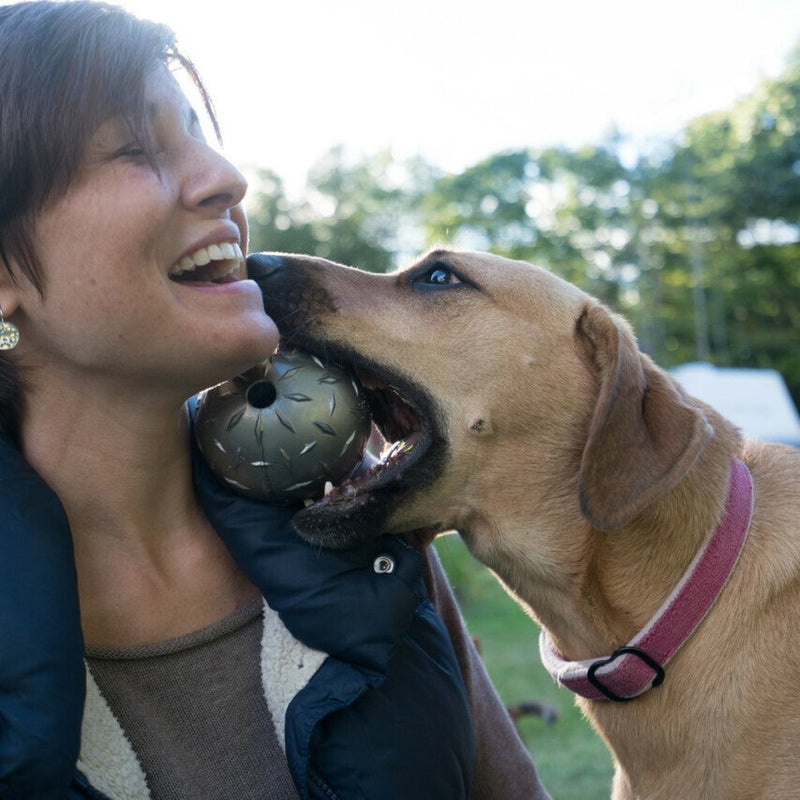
x,y
214,183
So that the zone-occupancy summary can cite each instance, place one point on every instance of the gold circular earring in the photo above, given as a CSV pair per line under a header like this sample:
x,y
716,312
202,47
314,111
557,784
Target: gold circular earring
x,y
9,333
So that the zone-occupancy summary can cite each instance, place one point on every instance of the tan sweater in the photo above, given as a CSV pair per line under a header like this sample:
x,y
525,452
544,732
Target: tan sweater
x,y
194,712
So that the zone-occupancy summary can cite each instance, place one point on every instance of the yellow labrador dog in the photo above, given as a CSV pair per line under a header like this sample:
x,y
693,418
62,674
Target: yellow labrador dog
x,y
659,552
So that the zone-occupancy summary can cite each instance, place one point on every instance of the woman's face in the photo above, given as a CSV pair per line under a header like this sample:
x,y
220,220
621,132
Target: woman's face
x,y
129,291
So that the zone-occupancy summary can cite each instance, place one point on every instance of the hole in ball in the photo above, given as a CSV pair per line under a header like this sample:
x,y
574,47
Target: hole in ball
x,y
261,394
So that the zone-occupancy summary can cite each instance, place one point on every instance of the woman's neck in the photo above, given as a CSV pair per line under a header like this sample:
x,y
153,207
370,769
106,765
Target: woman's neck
x,y
119,466
149,565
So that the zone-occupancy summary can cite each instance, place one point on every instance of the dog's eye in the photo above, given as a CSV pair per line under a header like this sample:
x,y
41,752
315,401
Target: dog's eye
x,y
438,275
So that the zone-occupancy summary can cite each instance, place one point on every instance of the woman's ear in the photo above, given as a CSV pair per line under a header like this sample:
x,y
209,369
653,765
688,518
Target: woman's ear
x,y
10,301
10,295
13,283
644,434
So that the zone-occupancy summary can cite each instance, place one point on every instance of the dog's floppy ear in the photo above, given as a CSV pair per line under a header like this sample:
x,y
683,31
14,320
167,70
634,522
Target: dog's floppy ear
x,y
644,435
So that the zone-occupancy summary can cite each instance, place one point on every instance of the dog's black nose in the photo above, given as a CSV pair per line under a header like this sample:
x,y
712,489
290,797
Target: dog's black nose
x,y
282,280
262,266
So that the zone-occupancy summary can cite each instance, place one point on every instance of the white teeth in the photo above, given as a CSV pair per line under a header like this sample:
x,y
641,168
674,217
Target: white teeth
x,y
223,251
392,450
328,487
201,257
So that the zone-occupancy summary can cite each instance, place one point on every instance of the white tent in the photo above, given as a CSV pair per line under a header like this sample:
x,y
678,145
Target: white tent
x,y
756,400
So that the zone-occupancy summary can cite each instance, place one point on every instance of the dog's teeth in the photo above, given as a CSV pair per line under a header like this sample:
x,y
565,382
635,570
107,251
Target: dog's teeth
x,y
328,488
392,451
308,502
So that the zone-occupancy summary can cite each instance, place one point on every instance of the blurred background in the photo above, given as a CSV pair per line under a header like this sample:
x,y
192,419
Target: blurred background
x,y
648,152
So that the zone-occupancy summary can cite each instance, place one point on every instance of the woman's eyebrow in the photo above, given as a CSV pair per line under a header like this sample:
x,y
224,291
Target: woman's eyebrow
x,y
154,110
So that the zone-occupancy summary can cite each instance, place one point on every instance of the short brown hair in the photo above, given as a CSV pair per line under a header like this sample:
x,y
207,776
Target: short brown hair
x,y
65,68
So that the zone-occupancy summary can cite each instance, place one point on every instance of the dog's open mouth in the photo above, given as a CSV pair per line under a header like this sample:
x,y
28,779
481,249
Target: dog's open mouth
x,y
403,435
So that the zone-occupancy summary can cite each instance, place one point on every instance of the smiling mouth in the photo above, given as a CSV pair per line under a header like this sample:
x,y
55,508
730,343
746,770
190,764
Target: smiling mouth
x,y
216,263
404,433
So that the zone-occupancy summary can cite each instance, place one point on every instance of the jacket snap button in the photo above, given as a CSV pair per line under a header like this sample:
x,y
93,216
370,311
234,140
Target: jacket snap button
x,y
383,564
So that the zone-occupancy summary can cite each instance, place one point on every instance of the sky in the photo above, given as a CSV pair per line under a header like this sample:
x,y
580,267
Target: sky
x,y
455,82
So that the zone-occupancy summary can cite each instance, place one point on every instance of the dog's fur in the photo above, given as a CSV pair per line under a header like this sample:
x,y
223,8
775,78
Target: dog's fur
x,y
586,478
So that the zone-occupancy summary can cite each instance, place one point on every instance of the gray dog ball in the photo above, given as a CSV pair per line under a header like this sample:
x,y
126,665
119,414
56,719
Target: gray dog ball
x,y
280,431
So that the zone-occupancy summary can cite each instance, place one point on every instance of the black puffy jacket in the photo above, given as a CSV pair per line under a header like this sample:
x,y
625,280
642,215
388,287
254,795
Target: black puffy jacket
x,y
385,717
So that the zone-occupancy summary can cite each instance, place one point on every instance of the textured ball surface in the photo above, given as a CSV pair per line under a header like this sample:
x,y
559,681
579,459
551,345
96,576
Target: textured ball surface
x,y
279,432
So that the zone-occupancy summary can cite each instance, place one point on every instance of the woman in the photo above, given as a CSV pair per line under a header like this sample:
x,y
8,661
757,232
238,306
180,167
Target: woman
x,y
140,658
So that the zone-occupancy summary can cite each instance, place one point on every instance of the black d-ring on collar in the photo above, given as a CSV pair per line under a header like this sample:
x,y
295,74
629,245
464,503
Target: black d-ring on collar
x,y
621,651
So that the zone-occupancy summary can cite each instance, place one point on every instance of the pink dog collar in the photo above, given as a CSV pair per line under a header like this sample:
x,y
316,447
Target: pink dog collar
x,y
639,665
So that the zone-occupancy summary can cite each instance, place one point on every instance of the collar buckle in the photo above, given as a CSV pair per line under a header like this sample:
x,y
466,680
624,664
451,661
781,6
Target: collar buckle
x,y
635,670
622,651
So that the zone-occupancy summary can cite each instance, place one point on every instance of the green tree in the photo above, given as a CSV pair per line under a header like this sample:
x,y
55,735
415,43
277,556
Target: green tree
x,y
698,243
277,223
729,232
350,212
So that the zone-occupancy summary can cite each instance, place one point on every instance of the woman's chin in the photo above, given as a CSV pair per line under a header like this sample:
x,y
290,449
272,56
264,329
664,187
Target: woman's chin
x,y
252,337
250,356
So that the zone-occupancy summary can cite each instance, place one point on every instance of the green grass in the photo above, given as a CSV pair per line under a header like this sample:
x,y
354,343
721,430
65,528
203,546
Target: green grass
x,y
572,760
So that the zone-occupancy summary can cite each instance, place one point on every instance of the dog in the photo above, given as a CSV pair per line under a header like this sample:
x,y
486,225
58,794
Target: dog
x,y
657,550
